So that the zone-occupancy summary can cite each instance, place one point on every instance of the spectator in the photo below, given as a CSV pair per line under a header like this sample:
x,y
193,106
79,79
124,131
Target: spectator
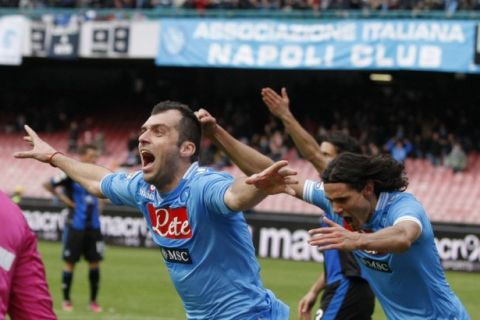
x,y
399,149
73,135
457,158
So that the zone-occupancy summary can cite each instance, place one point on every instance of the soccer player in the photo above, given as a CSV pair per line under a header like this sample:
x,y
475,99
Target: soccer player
x,y
23,286
346,295
82,235
193,214
393,239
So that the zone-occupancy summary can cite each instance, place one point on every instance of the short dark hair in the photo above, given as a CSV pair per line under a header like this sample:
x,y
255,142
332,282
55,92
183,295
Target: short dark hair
x,y
342,142
357,170
82,150
189,127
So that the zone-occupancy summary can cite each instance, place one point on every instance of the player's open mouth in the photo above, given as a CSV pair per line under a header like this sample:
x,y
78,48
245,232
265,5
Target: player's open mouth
x,y
147,159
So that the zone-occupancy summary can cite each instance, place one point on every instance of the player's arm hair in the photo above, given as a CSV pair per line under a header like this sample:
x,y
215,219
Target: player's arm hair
x,y
395,239
304,141
87,174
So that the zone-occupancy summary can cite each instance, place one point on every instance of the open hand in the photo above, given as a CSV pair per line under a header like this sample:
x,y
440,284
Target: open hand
x,y
275,179
334,237
278,105
41,150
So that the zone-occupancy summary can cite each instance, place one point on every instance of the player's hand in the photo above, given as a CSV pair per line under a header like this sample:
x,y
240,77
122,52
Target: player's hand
x,y
208,122
278,105
305,306
334,237
275,179
41,150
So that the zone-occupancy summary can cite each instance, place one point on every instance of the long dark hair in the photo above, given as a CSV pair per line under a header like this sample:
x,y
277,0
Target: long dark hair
x,y
189,128
357,170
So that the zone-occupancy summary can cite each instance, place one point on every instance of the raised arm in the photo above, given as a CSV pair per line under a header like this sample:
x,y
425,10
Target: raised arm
x,y
86,174
279,106
394,239
249,160
245,193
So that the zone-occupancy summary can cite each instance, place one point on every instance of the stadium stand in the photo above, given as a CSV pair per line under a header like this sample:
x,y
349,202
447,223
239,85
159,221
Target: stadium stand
x,y
447,196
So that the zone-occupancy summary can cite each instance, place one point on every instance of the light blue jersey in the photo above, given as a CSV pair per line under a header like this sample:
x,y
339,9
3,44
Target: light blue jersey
x,y
207,248
338,264
409,285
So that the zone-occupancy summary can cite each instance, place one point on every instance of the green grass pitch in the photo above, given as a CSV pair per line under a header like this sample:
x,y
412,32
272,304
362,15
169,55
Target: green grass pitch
x,y
135,285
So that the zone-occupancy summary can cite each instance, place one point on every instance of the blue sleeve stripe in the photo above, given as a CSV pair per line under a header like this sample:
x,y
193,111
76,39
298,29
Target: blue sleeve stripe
x,y
337,300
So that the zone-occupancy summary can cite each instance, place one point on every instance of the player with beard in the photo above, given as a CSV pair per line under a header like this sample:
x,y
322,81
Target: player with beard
x,y
193,214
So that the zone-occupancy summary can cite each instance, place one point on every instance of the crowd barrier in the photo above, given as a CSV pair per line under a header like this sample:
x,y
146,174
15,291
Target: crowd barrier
x,y
277,236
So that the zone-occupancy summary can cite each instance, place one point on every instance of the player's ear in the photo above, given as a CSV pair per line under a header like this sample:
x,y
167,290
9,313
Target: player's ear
x,y
369,189
187,149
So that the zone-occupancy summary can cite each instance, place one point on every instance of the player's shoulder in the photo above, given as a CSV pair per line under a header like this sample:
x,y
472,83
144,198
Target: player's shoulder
x,y
134,178
403,198
207,174
404,202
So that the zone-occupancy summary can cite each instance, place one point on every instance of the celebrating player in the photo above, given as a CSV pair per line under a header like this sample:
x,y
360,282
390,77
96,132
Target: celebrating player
x,y
193,214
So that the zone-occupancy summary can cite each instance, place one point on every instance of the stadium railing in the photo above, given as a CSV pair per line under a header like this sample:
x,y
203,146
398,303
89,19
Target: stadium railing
x,y
250,13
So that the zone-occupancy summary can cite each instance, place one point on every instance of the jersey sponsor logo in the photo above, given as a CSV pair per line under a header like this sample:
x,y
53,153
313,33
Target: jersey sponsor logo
x,y
171,223
180,255
376,265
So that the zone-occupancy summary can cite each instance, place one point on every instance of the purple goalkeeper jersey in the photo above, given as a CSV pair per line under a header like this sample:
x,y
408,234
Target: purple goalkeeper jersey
x,y
207,248
23,288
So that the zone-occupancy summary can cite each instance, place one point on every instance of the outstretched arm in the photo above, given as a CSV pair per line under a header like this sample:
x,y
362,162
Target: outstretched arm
x,y
88,175
394,239
279,106
245,193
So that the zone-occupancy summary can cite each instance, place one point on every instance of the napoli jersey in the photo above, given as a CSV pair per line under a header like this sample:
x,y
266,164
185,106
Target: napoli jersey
x,y
410,285
85,215
338,264
420,290
207,248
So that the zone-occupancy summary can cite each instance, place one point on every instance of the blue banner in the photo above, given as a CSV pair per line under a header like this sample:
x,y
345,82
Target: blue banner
x,y
428,45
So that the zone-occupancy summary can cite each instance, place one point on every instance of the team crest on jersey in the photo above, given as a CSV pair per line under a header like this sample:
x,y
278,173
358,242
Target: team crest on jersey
x,y
170,223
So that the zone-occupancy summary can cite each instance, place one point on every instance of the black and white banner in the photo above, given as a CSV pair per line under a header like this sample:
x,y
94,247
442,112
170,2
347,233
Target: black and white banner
x,y
277,236
119,39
